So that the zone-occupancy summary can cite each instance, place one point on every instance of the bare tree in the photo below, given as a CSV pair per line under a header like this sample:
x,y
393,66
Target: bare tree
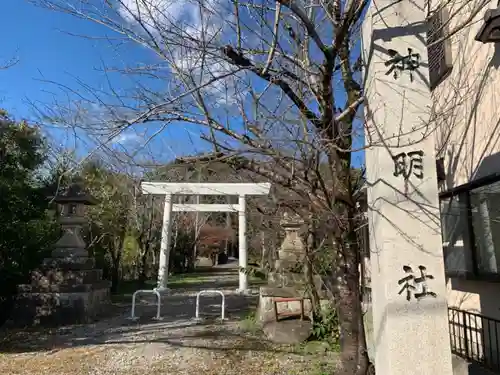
x,y
274,87
9,63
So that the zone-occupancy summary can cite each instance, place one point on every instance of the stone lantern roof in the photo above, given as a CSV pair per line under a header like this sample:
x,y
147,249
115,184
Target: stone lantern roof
x,y
74,193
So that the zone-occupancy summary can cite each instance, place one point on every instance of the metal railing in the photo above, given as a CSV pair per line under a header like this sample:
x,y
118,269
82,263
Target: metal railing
x,y
474,337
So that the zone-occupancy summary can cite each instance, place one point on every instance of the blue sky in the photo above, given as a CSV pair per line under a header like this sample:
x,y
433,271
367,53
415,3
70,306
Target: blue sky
x,y
39,39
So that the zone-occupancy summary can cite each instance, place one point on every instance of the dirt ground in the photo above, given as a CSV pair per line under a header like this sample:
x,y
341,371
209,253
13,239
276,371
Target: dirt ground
x,y
175,345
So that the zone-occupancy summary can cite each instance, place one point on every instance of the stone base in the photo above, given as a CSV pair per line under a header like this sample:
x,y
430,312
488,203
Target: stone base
x,y
265,309
53,309
288,332
62,292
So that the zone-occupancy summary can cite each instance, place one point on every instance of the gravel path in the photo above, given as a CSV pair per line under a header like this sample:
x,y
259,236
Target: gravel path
x,y
175,345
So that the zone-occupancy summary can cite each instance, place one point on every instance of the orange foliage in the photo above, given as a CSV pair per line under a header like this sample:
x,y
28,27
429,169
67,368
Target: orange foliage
x,y
212,239
213,236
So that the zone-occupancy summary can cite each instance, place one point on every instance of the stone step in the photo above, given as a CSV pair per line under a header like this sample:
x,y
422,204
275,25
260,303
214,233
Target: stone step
x,y
69,277
61,288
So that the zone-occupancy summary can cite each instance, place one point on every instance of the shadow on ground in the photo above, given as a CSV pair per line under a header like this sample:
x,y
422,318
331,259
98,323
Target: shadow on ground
x,y
177,311
208,335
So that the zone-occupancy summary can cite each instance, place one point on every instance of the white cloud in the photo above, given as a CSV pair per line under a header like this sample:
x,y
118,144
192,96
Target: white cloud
x,y
211,25
155,12
125,139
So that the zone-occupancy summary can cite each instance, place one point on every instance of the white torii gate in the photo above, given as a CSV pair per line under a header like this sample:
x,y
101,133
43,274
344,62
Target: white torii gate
x,y
169,189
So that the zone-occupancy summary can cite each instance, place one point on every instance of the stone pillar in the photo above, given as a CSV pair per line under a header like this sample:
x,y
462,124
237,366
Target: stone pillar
x,y
410,318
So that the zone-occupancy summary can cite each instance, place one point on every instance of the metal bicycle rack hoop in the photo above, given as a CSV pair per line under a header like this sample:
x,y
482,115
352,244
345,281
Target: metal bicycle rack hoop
x,y
210,291
146,291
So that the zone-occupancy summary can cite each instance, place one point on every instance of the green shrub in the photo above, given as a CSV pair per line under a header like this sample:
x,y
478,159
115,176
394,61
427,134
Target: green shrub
x,y
326,326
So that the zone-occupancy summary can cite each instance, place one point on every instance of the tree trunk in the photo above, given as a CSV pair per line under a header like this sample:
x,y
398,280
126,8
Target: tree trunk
x,y
116,256
213,257
354,354
115,279
143,265
308,267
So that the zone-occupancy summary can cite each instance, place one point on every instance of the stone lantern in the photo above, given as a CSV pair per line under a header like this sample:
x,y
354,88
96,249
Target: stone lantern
x,y
71,203
292,251
286,283
67,288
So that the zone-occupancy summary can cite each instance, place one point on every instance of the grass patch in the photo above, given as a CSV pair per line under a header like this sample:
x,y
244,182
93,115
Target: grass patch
x,y
322,368
317,347
321,356
200,277
127,287
187,278
250,324
130,286
255,281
